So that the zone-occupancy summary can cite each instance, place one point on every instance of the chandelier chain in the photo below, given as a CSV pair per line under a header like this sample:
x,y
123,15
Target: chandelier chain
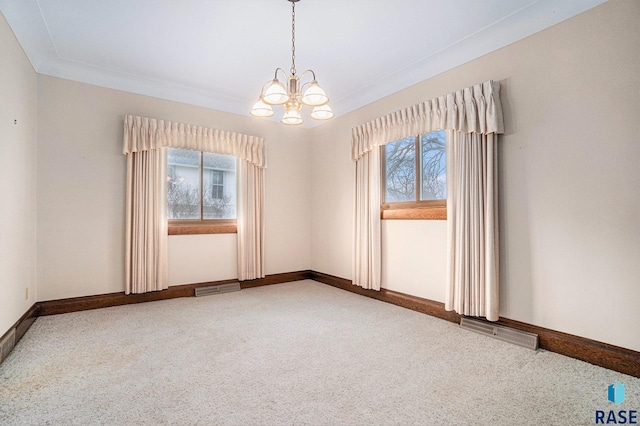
x,y
293,38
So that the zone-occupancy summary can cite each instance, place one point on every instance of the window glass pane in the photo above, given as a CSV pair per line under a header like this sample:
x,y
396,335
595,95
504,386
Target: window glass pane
x,y
400,170
434,166
217,184
219,181
183,184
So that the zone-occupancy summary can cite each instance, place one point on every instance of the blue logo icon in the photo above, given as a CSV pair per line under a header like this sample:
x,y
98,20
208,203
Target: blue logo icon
x,y
616,393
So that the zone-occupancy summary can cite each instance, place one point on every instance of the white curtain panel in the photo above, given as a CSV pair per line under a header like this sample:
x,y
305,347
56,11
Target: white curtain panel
x,y
473,119
472,225
250,221
367,250
146,222
144,142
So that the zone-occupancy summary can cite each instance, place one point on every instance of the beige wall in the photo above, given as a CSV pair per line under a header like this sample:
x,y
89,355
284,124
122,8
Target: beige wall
x,y
569,180
81,181
17,180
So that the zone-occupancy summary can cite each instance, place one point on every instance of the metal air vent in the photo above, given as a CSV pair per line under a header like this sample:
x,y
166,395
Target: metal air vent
x,y
217,289
507,334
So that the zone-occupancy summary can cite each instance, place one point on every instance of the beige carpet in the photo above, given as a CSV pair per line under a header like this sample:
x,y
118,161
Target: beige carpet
x,y
288,354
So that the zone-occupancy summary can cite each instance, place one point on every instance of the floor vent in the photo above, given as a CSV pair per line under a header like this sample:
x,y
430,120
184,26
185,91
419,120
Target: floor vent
x,y
7,344
217,289
520,338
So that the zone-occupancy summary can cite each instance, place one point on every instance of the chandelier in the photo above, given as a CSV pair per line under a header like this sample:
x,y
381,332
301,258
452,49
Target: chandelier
x,y
293,95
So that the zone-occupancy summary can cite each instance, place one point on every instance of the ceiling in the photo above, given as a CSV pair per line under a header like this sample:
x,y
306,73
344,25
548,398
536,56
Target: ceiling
x,y
219,53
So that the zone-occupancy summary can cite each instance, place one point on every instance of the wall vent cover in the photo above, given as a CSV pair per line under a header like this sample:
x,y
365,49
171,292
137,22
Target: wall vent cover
x,y
217,289
507,334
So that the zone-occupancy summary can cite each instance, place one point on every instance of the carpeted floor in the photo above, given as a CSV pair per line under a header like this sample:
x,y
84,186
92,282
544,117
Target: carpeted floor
x,y
289,354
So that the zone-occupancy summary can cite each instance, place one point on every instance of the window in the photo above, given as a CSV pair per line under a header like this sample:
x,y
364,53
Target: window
x,y
201,191
414,177
217,184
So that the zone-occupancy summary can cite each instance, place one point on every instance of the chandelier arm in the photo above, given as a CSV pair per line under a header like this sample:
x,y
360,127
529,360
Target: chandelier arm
x,y
306,71
275,74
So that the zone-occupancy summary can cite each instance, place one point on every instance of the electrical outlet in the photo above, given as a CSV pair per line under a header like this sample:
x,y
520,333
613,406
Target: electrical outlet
x,y
26,293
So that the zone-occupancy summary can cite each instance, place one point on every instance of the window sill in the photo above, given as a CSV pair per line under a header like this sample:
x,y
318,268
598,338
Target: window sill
x,y
198,227
431,210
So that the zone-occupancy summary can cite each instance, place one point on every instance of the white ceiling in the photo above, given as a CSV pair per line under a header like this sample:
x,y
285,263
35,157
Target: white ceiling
x,y
219,53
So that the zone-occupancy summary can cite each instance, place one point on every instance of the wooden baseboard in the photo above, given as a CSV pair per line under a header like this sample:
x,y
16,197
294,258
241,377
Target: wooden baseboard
x,y
75,304
285,277
608,356
604,355
414,303
613,357
21,326
26,321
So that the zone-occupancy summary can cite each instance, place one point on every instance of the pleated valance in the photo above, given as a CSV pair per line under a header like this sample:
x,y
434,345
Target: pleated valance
x,y
143,133
476,109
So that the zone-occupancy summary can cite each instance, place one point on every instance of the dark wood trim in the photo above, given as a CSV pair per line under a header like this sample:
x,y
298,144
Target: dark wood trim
x,y
414,303
201,229
420,213
602,354
22,325
26,321
75,304
194,227
418,210
615,358
285,277
425,204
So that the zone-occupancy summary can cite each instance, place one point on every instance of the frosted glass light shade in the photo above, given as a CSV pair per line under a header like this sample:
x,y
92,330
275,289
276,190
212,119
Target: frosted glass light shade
x,y
275,94
260,109
292,117
322,112
314,95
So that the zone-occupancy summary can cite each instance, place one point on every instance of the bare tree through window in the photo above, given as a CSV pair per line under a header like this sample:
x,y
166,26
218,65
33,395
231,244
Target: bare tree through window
x,y
401,170
409,180
434,166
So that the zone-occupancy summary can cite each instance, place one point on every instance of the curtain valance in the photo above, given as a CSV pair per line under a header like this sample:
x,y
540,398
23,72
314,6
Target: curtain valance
x,y
476,109
143,133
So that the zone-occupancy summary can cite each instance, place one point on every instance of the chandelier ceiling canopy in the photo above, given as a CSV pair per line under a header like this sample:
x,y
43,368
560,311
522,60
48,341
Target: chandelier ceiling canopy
x,y
294,94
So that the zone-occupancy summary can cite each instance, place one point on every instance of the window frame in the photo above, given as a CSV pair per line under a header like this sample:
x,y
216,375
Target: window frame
x,y
409,210
201,226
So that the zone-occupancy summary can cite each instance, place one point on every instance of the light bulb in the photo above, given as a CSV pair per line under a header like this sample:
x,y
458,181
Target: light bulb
x,y
314,95
260,109
292,117
275,94
322,112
